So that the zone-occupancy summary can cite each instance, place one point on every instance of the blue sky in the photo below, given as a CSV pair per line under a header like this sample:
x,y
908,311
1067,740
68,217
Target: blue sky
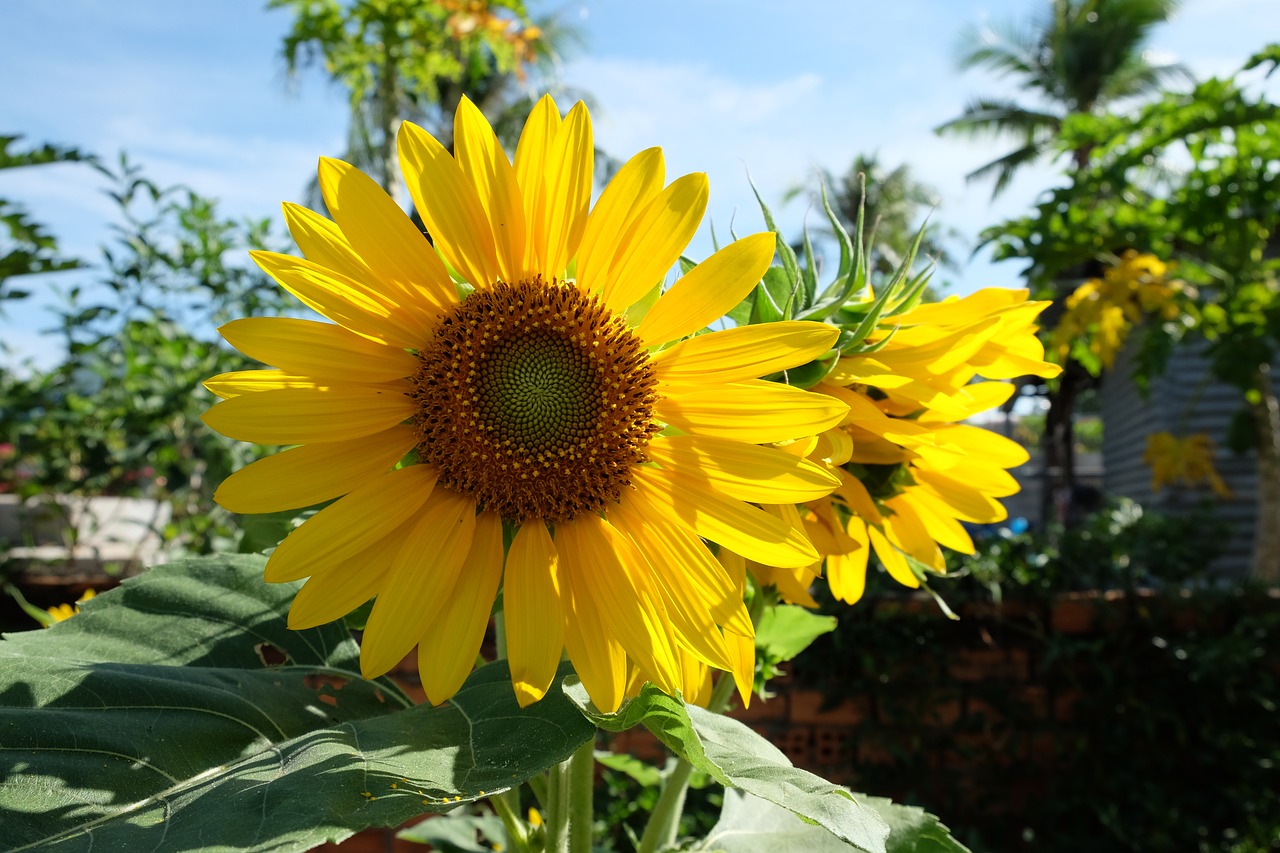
x,y
196,93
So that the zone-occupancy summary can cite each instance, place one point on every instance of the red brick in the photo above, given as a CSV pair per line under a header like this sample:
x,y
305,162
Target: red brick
x,y
1064,704
945,712
831,746
1074,614
796,742
774,709
1035,698
807,707
986,665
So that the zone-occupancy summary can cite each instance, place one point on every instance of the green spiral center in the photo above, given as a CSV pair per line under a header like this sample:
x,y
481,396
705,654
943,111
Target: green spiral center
x,y
535,399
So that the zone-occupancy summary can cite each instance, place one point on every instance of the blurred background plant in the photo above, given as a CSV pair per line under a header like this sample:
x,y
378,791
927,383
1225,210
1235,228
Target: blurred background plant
x,y
120,415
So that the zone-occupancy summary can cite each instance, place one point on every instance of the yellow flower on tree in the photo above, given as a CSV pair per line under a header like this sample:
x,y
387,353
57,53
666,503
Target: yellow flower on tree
x,y
516,374
1188,461
1101,312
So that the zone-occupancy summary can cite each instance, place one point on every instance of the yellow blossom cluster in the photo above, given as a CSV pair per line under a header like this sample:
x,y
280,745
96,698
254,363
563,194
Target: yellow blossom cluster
x,y
1187,460
911,470
1102,311
472,16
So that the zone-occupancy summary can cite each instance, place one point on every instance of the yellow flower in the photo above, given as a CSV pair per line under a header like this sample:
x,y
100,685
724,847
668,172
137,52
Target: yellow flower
x,y
1104,311
512,375
910,472
63,612
1186,460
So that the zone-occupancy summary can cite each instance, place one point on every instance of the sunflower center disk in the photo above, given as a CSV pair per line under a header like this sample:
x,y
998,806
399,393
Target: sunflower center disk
x,y
536,400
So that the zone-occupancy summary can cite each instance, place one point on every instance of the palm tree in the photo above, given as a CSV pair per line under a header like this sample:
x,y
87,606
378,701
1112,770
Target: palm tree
x,y
1078,56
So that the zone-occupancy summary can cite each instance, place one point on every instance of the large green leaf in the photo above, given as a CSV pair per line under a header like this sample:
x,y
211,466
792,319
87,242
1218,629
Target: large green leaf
x,y
737,757
179,713
750,825
912,829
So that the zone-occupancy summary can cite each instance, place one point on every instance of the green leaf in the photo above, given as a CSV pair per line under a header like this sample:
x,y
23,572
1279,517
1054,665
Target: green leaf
x,y
787,629
641,771
912,829
750,825
179,712
460,833
737,757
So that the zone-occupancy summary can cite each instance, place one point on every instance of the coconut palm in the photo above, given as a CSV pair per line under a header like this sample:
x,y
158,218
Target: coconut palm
x,y
1076,56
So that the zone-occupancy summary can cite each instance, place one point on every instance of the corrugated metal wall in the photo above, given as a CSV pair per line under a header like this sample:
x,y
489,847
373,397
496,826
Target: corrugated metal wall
x,y
1184,400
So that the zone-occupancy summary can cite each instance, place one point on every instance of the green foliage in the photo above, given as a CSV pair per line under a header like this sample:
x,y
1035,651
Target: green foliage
x,y
121,415
1163,693
179,709
1216,218
1122,546
1076,55
26,247
736,757
785,631
751,825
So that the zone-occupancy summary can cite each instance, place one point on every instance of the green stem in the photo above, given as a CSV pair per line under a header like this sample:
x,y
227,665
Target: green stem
x,y
664,822
556,817
582,778
516,832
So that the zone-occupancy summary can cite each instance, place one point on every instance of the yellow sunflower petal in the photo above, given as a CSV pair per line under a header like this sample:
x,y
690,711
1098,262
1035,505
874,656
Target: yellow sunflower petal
x,y
965,502
611,578
754,411
418,582
335,590
708,291
744,471
686,608
304,415
743,650
314,472
347,528
448,649
532,153
905,529
317,349
941,526
387,241
533,612
485,163
567,190
671,549
634,186
654,240
322,241
744,352
731,523
363,309
238,382
892,560
449,205
597,657
847,572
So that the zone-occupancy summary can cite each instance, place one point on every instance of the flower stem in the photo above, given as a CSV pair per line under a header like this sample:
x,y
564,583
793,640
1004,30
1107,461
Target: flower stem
x,y
556,819
582,777
516,833
664,822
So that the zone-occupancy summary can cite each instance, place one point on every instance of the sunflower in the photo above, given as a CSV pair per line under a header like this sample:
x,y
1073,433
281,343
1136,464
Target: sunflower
x,y
502,404
910,471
